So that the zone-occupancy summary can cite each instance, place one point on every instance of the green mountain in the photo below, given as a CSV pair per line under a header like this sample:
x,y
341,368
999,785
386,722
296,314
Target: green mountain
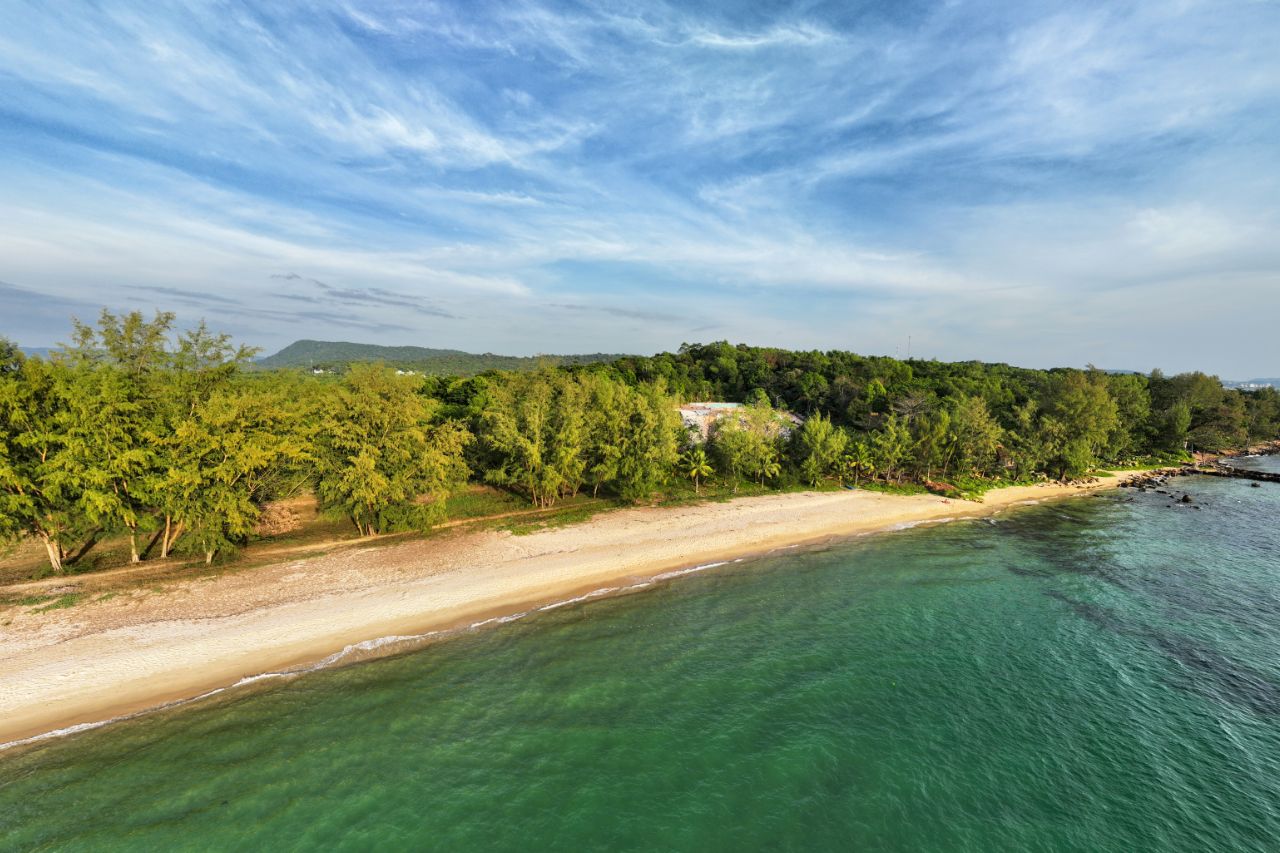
x,y
335,355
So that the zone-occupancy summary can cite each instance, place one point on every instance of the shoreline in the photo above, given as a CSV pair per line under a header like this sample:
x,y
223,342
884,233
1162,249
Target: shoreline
x,y
103,662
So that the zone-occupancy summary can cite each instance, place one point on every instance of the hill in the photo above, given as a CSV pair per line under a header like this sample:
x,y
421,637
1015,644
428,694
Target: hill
x,y
335,355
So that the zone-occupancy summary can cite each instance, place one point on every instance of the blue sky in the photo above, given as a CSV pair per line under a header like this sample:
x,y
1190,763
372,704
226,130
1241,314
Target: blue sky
x,y
1027,182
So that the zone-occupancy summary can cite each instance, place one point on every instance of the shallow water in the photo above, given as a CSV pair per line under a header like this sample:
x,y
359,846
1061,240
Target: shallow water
x,y
1095,674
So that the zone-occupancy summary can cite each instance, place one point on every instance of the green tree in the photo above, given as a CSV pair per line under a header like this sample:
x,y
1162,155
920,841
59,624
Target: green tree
x,y
695,465
976,436
819,445
1083,416
35,498
536,428
650,442
734,446
890,445
379,459
225,455
858,461
934,440
770,466
200,372
115,376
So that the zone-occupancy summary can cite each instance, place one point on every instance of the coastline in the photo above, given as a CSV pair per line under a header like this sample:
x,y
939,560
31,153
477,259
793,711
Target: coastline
x,y
107,660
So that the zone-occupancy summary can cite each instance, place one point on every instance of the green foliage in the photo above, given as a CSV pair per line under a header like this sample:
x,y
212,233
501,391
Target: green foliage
x,y
546,434
378,457
338,356
135,428
695,465
747,443
819,446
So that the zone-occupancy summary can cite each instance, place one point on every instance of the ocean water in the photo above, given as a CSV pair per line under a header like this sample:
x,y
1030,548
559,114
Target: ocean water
x,y
1097,674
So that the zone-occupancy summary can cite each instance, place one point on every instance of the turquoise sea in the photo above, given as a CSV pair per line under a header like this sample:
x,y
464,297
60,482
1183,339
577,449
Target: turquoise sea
x,y
1096,674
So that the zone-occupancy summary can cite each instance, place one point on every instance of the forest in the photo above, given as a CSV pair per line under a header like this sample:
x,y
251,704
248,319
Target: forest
x,y
137,429
337,356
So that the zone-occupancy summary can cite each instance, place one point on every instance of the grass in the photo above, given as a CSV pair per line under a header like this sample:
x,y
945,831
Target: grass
x,y
894,488
1154,460
556,518
479,501
71,599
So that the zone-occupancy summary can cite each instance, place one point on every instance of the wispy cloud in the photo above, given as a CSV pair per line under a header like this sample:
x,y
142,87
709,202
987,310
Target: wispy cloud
x,y
548,175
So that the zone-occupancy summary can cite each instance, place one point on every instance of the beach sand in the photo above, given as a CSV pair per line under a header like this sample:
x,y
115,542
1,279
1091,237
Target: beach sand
x,y
140,650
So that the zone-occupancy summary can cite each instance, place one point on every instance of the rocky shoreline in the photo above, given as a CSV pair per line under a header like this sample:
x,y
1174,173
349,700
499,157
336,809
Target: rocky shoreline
x,y
1212,465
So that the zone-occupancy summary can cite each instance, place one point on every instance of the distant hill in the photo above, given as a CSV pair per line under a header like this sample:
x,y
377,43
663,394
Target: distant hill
x,y
42,352
335,355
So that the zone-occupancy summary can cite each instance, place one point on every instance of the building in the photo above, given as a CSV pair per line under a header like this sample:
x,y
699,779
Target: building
x,y
700,417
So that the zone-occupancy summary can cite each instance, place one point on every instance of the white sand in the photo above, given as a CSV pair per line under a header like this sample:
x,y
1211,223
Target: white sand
x,y
103,659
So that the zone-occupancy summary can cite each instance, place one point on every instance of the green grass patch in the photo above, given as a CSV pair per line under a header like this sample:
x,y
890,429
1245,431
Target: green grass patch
x,y
562,518
894,488
479,501
71,599
1153,460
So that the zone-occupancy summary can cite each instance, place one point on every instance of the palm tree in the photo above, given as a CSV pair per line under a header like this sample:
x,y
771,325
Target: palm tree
x,y
695,466
859,460
770,468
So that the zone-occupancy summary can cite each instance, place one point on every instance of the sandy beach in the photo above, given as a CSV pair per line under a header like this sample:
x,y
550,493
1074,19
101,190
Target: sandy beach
x,y
105,659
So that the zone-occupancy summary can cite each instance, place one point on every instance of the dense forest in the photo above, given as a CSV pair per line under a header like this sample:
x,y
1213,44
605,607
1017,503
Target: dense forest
x,y
338,356
166,438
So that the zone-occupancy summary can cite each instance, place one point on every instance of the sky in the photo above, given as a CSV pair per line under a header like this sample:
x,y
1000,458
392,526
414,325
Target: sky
x,y
1035,183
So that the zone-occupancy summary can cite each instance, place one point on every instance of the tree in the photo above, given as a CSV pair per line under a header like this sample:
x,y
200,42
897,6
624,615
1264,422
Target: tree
x,y
734,447
200,372
975,435
35,498
650,443
1133,414
934,441
890,445
695,465
770,467
113,379
858,461
1084,415
379,459
225,455
819,446
516,426
605,422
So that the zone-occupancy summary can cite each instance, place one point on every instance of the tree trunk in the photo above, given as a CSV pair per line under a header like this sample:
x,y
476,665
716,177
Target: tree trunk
x,y
134,556
697,486
155,540
55,553
164,544
173,537
208,556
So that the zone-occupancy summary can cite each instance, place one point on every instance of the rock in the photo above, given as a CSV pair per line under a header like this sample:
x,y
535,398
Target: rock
x,y
1186,499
